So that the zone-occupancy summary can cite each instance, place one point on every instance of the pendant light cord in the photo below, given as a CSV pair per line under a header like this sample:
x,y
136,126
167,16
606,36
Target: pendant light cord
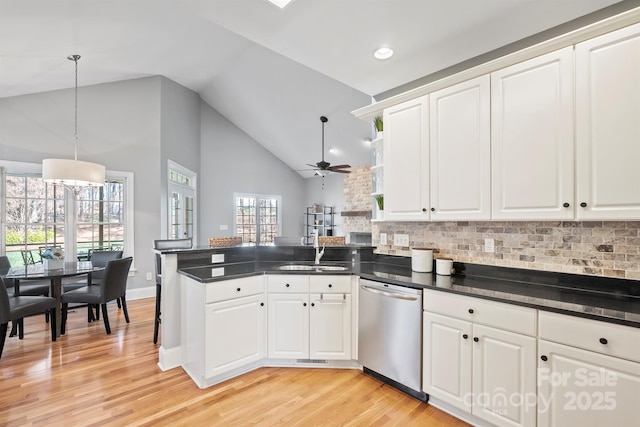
x,y
75,59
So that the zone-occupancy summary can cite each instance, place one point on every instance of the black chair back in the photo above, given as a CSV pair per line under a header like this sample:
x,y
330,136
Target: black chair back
x,y
5,308
100,259
114,279
168,244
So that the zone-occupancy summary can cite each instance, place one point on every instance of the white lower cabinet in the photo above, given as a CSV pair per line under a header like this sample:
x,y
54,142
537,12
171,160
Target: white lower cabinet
x,y
590,375
482,369
307,325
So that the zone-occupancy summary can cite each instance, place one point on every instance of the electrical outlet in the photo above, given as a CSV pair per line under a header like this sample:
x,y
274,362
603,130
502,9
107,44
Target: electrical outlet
x,y
489,245
217,258
149,277
383,238
401,240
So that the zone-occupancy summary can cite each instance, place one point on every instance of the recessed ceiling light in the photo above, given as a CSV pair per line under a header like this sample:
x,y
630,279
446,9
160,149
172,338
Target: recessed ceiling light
x,y
383,53
281,3
333,150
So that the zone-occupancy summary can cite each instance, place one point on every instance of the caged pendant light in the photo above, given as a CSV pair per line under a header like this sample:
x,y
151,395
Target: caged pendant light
x,y
73,174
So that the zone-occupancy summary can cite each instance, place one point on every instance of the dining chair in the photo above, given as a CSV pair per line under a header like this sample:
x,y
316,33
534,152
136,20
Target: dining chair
x,y
98,259
160,245
112,286
15,309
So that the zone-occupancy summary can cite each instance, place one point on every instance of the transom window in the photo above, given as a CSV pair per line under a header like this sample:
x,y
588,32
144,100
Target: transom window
x,y
258,218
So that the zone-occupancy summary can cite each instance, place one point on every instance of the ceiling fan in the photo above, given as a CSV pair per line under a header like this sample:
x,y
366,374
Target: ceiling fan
x,y
322,168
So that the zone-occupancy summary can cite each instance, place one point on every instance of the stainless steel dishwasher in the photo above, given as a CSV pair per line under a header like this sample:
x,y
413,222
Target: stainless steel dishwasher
x,y
390,334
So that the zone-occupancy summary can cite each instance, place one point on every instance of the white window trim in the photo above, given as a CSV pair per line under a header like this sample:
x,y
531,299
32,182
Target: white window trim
x,y
9,166
258,197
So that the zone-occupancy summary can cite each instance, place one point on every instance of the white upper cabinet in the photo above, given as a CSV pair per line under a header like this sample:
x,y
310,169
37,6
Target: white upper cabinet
x,y
532,138
406,161
607,126
459,144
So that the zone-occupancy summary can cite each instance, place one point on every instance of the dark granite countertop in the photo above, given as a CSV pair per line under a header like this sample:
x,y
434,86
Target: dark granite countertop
x,y
607,299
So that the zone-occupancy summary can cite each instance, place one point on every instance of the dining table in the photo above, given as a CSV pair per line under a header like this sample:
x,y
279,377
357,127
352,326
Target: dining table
x,y
38,272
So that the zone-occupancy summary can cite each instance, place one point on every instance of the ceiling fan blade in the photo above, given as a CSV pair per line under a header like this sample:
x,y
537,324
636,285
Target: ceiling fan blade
x,y
339,170
339,167
313,166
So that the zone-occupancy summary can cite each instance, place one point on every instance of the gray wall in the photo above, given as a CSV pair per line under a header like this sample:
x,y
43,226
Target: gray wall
x,y
118,126
231,161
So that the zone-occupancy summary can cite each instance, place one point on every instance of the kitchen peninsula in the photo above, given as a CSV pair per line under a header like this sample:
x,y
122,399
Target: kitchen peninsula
x,y
520,320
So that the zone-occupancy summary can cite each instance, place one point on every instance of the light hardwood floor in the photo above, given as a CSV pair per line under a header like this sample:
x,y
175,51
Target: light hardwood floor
x,y
90,378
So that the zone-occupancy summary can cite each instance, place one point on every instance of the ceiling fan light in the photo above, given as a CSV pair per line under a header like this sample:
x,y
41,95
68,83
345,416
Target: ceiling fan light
x,y
383,53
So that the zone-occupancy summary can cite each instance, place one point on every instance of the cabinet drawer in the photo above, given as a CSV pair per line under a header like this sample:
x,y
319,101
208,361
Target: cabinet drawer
x,y
288,283
504,316
229,289
330,284
601,337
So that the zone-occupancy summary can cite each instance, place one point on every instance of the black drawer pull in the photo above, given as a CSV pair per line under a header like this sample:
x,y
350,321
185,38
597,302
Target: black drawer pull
x,y
603,341
313,304
424,209
543,358
583,205
287,285
238,289
433,209
330,285
304,304
471,311
476,339
566,205
261,304
465,336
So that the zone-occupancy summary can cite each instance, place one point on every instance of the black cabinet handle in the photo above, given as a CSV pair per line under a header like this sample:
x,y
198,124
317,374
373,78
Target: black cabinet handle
x,y
543,358
583,204
304,304
424,209
433,209
566,205
330,285
465,336
471,311
261,304
476,339
313,304
287,285
238,289
603,341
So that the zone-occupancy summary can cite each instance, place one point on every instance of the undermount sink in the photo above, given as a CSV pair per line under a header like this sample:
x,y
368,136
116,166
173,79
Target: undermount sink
x,y
311,267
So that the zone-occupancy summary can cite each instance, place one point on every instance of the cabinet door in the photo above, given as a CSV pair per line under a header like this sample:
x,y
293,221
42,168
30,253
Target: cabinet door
x,y
406,161
460,151
288,326
532,138
330,327
229,347
607,131
582,388
504,377
446,354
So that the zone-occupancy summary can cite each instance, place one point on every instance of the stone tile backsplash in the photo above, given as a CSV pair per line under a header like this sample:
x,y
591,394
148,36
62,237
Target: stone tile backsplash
x,y
599,248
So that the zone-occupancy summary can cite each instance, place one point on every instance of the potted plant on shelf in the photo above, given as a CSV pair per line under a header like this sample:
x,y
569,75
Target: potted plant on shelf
x,y
53,258
377,122
380,201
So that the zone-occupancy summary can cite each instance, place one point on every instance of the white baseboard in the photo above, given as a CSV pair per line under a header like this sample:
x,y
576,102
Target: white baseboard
x,y
169,359
141,293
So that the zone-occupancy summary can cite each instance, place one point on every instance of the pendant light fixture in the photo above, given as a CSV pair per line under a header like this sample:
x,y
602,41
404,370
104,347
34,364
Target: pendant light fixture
x,y
73,174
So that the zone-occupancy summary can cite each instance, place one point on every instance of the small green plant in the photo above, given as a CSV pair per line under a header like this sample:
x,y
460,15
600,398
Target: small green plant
x,y
377,121
380,201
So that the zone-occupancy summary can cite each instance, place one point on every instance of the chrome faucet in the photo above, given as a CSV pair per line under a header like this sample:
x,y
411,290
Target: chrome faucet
x,y
316,244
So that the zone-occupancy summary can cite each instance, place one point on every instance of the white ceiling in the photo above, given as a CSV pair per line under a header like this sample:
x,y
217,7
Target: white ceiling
x,y
271,72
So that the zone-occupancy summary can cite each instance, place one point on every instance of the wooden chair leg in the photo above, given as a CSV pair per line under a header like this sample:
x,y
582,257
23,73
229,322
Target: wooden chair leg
x,y
63,326
3,335
156,325
105,318
52,316
124,309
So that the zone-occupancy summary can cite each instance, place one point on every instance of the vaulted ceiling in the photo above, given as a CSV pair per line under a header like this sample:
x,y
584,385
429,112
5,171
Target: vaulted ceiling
x,y
272,72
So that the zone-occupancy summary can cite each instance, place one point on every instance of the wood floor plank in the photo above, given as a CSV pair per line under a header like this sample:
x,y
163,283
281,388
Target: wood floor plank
x,y
88,378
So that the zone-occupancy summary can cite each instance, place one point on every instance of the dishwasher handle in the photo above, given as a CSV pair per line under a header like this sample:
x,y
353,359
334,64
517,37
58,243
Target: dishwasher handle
x,y
389,294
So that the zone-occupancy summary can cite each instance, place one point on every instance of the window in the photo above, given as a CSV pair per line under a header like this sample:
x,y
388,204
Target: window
x,y
38,215
34,217
182,202
100,213
258,218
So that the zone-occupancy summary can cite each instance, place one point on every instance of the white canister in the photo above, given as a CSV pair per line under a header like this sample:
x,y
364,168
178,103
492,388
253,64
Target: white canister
x,y
444,266
422,260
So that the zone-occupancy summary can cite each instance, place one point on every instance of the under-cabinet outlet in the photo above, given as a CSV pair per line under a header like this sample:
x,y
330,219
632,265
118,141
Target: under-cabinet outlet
x,y
383,238
217,258
149,277
489,245
401,240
